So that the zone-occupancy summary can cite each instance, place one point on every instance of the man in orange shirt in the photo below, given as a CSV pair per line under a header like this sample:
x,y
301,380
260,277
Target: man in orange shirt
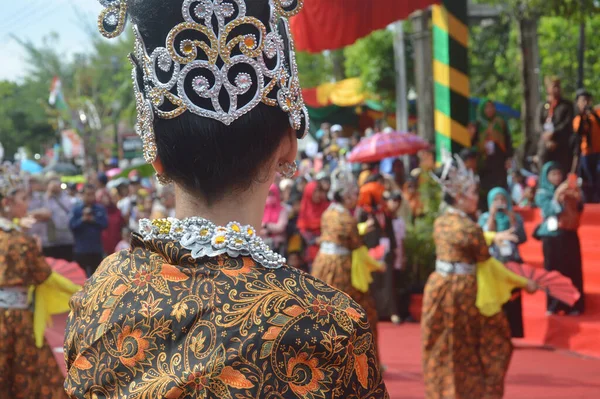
x,y
586,126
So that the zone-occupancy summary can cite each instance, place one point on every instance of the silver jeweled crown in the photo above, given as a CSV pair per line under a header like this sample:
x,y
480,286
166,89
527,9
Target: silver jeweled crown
x,y
456,177
206,56
10,179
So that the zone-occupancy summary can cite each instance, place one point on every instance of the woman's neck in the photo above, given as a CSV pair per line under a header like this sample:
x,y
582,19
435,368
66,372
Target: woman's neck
x,y
245,208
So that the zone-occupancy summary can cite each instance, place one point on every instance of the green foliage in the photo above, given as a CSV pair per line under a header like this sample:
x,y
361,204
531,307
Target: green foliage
x,y
569,9
419,246
102,77
314,69
495,60
23,121
372,59
494,70
558,41
495,57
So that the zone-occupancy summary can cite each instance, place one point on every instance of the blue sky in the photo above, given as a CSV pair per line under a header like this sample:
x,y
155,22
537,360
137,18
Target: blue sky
x,y
33,19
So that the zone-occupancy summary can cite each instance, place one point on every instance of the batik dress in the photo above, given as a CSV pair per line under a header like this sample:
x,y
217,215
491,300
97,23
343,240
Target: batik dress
x,y
26,371
465,354
339,231
199,311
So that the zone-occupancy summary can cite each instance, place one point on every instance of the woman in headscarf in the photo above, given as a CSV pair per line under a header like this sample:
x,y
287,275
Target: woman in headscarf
x,y
274,222
494,144
501,218
314,203
466,337
561,203
28,368
201,307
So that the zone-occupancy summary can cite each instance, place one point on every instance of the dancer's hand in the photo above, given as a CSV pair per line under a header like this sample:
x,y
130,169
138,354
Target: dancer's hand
x,y
531,287
508,235
27,222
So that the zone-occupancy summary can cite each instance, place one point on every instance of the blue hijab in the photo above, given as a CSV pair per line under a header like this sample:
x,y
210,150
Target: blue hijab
x,y
502,219
544,182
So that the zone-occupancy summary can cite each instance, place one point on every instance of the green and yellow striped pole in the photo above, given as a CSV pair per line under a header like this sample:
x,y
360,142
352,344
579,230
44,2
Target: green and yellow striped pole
x,y
451,75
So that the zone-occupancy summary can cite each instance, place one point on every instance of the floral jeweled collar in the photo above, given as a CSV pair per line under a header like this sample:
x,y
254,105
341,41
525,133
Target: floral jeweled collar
x,y
7,225
456,211
205,239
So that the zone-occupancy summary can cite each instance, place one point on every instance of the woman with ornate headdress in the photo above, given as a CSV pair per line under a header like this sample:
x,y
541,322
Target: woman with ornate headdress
x,y
466,337
339,239
200,306
28,368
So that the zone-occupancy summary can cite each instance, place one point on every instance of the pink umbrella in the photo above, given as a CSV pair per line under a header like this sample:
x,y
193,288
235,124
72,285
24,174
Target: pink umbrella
x,y
113,172
387,145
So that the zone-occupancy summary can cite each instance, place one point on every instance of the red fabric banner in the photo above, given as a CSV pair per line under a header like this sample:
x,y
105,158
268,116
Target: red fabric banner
x,y
332,24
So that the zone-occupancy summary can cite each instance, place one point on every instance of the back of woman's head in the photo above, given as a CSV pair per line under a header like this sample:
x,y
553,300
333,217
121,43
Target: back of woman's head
x,y
211,159
231,126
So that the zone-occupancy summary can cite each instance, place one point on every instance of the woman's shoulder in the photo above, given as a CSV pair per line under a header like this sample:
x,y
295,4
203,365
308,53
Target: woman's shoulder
x,y
214,307
140,271
12,234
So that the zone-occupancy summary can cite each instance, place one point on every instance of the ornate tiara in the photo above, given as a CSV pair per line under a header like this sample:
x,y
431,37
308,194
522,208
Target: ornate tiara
x,y
456,177
218,63
9,179
342,181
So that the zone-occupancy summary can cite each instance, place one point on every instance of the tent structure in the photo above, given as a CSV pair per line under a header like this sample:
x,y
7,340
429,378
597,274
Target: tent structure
x,y
346,103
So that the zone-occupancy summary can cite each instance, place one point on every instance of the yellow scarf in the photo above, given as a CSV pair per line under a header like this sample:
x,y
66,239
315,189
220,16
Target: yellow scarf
x,y
495,284
51,297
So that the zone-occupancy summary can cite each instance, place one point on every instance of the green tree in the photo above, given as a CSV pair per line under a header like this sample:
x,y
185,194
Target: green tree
x,y
314,69
372,60
558,39
99,80
494,56
562,8
23,121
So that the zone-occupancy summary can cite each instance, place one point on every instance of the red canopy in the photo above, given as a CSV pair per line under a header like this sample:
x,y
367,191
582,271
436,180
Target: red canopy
x,y
332,24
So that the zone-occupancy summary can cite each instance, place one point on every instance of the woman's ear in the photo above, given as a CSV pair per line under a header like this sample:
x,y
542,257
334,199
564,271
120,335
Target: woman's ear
x,y
289,147
158,166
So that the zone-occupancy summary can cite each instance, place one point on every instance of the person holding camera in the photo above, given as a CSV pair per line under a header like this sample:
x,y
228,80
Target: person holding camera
x,y
87,223
502,218
561,202
586,126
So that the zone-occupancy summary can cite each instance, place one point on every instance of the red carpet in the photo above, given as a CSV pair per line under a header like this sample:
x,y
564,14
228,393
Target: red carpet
x,y
535,373
578,334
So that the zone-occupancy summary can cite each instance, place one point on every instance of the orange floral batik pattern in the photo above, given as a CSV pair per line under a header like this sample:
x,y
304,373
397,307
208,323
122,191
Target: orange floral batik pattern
x,y
26,372
465,354
154,322
338,226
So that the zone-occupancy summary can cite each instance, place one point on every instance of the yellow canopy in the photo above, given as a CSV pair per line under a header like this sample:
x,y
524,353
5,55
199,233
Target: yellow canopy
x,y
346,93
